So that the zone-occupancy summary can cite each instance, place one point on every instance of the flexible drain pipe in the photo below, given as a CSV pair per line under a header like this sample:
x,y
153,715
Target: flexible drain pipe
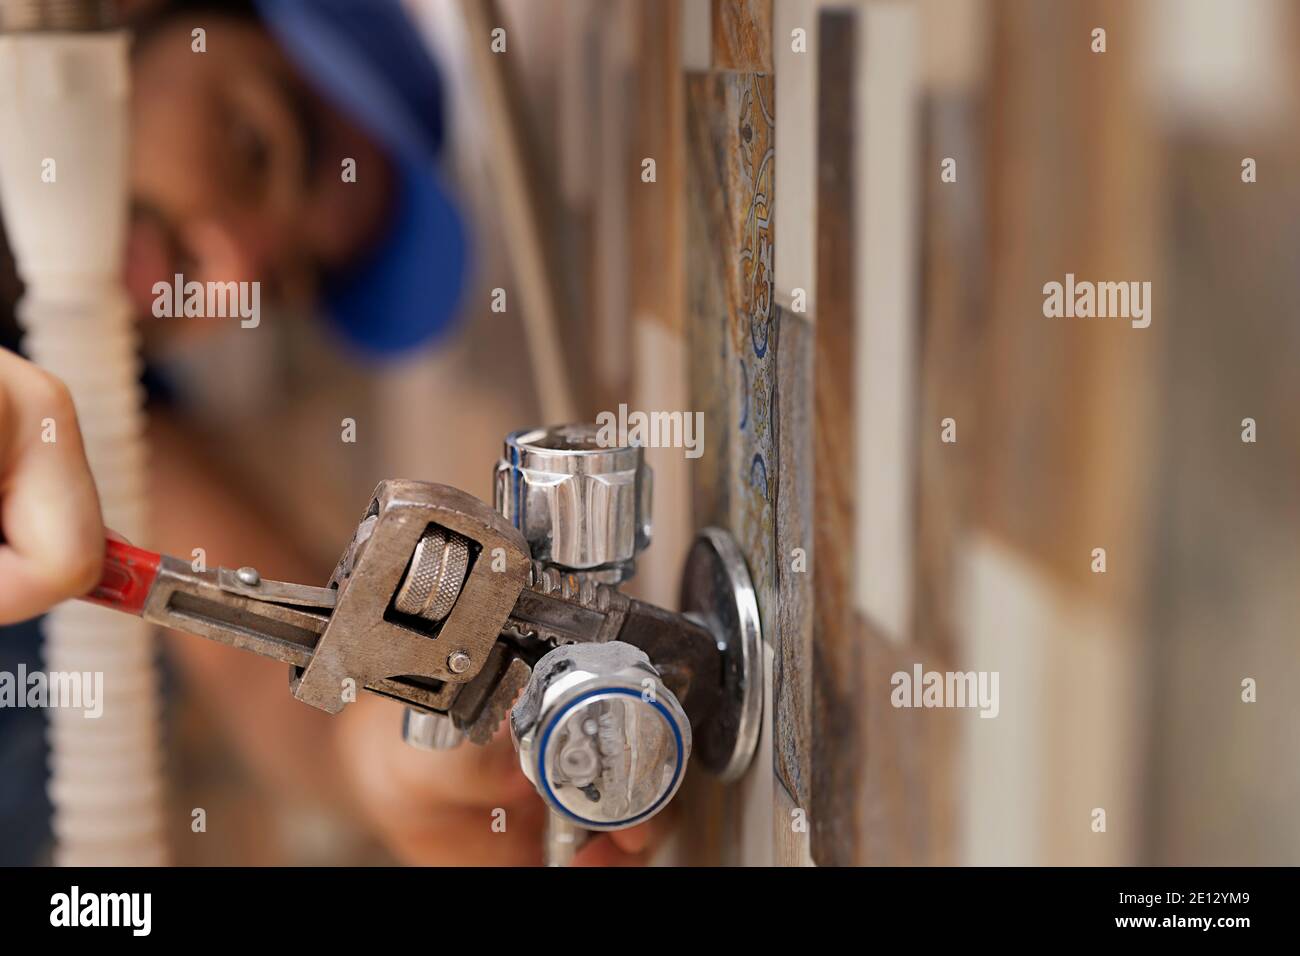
x,y
64,84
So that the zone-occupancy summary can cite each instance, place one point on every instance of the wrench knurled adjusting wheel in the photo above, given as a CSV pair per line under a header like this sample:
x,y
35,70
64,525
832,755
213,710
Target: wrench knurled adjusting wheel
x,y
437,572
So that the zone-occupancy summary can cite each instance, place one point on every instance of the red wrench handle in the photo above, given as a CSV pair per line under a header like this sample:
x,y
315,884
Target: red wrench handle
x,y
129,573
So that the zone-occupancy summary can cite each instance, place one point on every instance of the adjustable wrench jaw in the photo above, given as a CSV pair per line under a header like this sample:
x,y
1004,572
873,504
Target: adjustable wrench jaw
x,y
369,643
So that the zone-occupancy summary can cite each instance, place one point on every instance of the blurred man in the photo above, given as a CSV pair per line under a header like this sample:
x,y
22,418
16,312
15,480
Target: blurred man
x,y
299,151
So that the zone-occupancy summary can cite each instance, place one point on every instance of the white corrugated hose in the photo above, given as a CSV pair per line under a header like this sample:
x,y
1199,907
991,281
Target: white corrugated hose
x,y
63,191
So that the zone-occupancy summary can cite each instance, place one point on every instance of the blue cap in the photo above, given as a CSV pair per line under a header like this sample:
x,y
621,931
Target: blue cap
x,y
364,55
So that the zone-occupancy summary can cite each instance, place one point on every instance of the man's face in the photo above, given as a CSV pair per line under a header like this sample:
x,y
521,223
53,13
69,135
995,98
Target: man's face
x,y
236,167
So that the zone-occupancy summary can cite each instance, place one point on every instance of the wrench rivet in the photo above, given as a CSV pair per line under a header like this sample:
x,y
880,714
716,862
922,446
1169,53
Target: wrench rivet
x,y
249,576
459,662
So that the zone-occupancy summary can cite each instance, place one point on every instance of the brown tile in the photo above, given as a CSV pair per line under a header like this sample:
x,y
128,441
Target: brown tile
x,y
742,35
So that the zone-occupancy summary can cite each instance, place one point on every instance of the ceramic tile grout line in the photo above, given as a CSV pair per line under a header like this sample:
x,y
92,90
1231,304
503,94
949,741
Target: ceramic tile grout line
x,y
64,86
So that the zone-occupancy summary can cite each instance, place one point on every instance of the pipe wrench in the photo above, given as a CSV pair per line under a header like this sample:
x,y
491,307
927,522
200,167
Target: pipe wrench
x,y
441,602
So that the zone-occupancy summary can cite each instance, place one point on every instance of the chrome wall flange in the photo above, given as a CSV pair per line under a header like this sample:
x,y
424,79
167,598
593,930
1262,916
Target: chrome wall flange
x,y
718,593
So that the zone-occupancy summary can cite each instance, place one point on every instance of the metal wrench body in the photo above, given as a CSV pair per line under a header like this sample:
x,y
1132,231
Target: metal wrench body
x,y
470,664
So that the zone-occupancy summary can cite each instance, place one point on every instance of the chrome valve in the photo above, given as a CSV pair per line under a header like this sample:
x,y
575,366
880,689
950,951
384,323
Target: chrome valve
x,y
600,736
581,506
599,732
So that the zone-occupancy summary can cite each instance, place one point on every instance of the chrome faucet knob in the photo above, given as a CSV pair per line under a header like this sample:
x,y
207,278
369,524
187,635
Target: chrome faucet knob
x,y
426,731
581,506
600,736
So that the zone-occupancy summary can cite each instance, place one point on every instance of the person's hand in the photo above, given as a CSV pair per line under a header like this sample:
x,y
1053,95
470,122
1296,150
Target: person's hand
x,y
53,534
471,806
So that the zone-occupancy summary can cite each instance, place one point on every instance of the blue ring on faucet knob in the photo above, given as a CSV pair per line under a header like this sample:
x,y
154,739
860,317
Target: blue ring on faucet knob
x,y
561,809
